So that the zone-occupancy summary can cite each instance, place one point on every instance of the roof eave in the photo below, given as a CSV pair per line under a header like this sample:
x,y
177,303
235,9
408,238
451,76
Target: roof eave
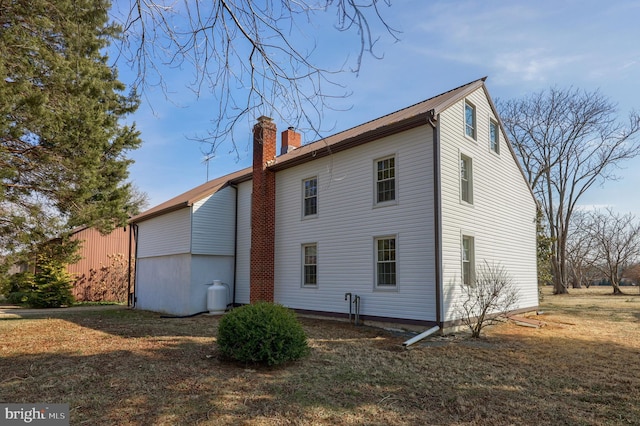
x,y
363,138
143,217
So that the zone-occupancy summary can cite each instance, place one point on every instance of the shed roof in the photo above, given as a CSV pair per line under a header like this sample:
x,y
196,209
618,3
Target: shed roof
x,y
407,118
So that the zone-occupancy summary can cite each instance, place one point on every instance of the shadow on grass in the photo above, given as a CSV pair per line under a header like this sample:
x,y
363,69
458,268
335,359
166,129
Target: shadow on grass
x,y
134,368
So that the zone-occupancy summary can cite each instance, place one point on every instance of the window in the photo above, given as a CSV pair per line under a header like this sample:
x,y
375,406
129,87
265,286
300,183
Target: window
x,y
470,120
466,184
386,262
386,180
494,137
309,264
468,263
310,197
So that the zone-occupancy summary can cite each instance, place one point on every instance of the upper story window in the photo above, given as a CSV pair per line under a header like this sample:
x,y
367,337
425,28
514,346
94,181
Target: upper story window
x,y
310,197
494,136
309,265
468,260
385,180
466,182
385,262
470,120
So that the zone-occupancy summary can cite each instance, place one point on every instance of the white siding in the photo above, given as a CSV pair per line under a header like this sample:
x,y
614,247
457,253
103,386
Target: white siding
x,y
244,242
178,284
165,235
163,284
205,269
347,223
501,219
214,224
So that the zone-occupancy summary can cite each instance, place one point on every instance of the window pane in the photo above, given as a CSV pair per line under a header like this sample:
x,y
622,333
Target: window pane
x,y
494,135
386,262
309,267
467,260
310,197
470,120
465,179
386,186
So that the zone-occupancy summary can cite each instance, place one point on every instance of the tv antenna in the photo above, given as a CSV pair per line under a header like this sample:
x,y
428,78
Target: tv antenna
x,y
206,160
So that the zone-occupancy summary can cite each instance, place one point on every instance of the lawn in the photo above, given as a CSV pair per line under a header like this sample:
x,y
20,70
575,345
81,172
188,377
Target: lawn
x,y
124,367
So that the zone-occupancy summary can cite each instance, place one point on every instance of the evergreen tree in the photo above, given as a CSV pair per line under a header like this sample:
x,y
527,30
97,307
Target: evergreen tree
x,y
63,147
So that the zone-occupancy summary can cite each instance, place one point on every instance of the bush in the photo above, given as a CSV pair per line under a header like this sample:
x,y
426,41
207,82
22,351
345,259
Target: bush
x,y
50,287
263,333
488,299
17,287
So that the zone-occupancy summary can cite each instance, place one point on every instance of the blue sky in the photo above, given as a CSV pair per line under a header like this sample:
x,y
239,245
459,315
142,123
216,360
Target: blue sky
x,y
521,46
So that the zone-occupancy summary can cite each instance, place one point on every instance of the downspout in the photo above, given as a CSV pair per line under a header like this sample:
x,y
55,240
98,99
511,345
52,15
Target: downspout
x,y
420,336
437,216
437,234
235,250
129,270
134,228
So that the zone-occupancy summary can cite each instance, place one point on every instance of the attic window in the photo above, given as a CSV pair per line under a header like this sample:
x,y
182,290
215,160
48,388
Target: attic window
x,y
470,120
494,137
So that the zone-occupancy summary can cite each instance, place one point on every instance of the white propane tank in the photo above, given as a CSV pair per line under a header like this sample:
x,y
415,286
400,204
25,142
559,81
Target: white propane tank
x,y
217,298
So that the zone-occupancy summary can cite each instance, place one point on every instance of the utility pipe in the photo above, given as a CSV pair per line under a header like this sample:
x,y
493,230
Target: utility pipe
x,y
421,336
348,295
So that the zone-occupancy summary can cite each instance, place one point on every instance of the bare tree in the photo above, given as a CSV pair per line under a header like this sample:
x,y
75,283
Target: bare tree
x,y
491,296
255,58
633,273
580,246
567,140
616,244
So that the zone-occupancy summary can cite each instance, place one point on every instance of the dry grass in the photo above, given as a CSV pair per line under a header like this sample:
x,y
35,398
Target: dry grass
x,y
126,367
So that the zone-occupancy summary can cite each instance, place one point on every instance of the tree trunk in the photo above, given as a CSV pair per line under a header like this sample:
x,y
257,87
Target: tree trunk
x,y
616,288
559,283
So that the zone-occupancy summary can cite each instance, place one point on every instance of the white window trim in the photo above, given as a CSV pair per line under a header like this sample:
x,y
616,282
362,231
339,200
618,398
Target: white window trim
x,y
472,255
303,265
498,142
475,120
470,179
376,286
310,216
393,202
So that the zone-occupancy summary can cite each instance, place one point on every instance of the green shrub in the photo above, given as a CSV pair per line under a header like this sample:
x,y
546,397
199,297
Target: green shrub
x,y
50,287
17,287
262,333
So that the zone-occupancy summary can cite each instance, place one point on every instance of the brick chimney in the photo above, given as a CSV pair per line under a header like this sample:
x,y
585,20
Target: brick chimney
x,y
263,212
290,140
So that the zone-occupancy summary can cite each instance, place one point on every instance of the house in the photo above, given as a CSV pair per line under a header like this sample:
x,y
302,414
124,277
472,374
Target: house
x,y
399,211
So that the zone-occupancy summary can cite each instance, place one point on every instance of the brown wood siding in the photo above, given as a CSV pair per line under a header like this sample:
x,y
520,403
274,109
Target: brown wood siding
x,y
101,274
